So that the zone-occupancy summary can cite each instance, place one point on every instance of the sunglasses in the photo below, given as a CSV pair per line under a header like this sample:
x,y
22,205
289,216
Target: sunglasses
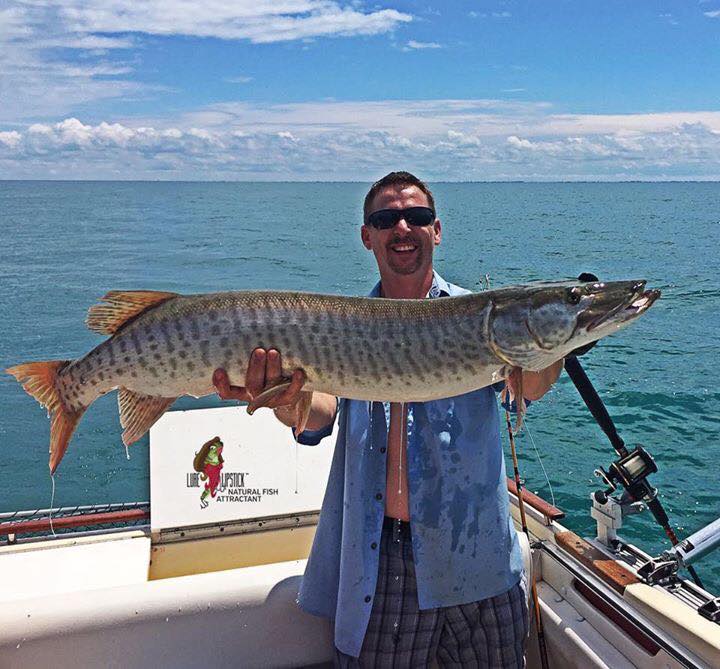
x,y
384,219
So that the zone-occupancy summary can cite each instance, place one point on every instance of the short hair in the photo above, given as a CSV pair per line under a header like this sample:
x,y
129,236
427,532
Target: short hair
x,y
395,179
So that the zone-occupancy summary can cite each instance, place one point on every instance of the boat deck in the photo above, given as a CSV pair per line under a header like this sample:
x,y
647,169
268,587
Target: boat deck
x,y
227,592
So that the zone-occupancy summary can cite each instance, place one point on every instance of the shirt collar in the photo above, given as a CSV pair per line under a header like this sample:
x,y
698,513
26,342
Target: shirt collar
x,y
439,287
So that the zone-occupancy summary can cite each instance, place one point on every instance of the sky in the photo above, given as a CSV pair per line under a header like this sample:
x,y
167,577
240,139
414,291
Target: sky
x,y
288,90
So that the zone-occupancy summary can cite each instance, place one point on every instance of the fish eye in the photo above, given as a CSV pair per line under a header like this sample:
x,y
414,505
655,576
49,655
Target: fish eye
x,y
574,295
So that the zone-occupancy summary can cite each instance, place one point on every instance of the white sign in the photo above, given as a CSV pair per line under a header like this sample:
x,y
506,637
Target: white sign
x,y
217,465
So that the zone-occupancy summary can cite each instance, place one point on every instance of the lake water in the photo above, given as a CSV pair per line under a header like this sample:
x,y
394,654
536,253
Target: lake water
x,y
65,244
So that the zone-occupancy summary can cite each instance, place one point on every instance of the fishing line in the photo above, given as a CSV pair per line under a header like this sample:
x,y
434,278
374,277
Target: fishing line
x,y
297,462
523,522
539,459
52,502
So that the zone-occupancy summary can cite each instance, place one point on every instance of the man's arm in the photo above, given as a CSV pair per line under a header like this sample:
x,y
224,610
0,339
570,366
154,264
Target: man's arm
x,y
264,370
536,384
322,412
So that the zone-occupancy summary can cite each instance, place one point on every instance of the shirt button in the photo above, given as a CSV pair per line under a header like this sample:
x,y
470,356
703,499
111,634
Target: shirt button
x,y
382,449
368,598
373,545
378,496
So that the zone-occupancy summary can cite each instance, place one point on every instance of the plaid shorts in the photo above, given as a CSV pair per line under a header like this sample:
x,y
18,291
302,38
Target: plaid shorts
x,y
489,633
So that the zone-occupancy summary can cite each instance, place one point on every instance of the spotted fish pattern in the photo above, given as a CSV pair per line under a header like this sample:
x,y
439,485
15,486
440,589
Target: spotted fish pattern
x,y
165,345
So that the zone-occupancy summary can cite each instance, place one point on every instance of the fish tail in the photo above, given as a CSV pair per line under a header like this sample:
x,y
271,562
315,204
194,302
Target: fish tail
x,y
39,379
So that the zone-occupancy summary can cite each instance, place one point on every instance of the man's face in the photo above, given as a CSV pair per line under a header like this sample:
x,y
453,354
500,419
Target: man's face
x,y
402,249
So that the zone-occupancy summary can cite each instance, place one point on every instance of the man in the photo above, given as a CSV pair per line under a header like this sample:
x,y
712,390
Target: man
x,y
415,556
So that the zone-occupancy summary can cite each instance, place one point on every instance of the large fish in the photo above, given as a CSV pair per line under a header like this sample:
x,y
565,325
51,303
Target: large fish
x,y
165,345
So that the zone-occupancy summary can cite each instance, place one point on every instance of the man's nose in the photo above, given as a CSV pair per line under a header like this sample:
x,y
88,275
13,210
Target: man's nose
x,y
402,225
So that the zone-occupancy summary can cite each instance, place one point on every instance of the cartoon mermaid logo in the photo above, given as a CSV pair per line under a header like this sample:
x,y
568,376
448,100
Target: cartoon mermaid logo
x,y
208,463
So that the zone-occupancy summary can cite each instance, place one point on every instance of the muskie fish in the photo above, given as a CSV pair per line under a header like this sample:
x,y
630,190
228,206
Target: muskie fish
x,y
165,345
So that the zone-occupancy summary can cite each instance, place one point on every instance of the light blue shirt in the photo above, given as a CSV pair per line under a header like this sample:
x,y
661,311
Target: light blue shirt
x,y
464,543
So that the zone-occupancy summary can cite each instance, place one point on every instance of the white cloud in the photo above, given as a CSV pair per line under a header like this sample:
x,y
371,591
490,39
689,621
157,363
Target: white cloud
x,y
441,139
561,124
98,70
10,139
238,80
36,81
670,19
423,118
413,44
517,143
39,79
687,144
484,15
405,118
96,43
713,15
254,20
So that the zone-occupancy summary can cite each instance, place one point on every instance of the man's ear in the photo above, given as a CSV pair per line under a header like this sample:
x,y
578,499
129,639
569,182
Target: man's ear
x,y
365,236
437,226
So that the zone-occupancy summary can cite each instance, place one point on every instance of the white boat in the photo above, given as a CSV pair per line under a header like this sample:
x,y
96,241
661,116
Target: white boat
x,y
221,591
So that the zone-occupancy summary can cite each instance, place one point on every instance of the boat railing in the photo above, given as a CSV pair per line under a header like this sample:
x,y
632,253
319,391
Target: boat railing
x,y
39,523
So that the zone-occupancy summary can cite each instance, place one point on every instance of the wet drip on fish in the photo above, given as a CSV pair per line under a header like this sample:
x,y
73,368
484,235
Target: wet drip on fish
x,y
402,439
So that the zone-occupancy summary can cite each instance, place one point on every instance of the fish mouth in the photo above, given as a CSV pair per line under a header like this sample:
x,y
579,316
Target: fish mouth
x,y
637,303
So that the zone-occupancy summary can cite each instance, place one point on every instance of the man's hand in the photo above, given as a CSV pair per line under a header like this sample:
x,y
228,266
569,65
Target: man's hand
x,y
264,371
534,384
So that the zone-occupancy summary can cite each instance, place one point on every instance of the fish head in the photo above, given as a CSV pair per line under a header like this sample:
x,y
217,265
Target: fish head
x,y
533,326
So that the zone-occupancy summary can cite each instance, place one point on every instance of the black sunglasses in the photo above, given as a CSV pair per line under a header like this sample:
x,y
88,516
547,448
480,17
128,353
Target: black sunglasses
x,y
384,219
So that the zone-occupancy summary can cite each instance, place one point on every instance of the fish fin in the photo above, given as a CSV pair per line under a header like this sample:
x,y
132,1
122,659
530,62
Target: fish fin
x,y
138,413
119,306
62,427
38,380
266,395
303,408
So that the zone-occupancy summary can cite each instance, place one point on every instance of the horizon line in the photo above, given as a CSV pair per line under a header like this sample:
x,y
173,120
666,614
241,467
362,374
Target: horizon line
x,y
363,181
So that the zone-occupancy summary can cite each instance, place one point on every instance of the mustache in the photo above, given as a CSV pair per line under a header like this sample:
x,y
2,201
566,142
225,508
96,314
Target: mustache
x,y
403,240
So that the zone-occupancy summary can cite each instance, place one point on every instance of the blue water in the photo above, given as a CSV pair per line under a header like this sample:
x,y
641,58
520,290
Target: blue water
x,y
65,244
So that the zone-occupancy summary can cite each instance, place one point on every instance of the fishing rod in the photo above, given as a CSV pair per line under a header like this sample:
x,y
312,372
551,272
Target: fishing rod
x,y
633,467
523,523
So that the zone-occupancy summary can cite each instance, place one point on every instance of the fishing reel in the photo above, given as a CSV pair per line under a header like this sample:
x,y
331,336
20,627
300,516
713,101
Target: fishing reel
x,y
631,472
